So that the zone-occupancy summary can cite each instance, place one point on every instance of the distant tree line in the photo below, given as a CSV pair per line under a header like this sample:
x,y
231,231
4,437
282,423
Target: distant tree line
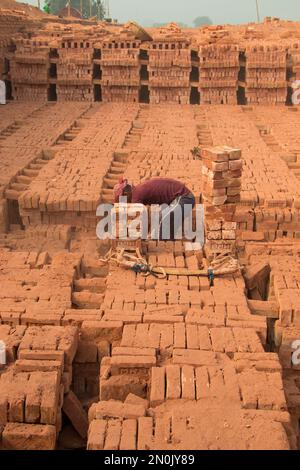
x,y
202,21
89,7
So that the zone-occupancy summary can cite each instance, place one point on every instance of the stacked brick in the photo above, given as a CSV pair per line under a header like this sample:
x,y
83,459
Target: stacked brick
x,y
169,72
120,71
168,368
266,74
29,70
282,307
14,21
75,71
33,387
3,50
72,198
219,69
221,176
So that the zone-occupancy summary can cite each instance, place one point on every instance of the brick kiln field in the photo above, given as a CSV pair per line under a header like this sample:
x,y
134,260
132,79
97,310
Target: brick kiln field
x,y
106,360
102,358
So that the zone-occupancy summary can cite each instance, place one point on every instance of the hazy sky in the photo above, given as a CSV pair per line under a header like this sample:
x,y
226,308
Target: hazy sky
x,y
185,11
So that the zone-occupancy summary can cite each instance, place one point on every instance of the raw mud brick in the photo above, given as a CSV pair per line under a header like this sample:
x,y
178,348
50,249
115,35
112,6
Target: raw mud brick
x,y
179,336
96,434
145,433
262,390
29,437
29,397
55,338
163,319
131,364
188,382
173,378
205,317
128,435
132,399
116,409
119,387
193,357
121,351
75,412
101,330
223,340
113,435
28,365
77,317
87,299
157,386
12,337
34,319
262,362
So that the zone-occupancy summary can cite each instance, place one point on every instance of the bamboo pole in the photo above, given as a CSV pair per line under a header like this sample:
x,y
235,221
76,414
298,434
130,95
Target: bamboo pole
x,y
257,11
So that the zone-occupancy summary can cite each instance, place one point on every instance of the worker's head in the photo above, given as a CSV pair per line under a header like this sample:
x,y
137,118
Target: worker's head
x,y
123,189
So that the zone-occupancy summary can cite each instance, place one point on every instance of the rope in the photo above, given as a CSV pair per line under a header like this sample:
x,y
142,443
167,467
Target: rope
x,y
221,265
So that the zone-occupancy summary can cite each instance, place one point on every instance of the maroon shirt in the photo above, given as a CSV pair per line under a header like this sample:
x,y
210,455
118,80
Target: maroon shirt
x,y
158,191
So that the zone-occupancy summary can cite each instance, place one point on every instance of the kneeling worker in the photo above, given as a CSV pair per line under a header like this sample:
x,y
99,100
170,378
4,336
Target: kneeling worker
x,y
159,191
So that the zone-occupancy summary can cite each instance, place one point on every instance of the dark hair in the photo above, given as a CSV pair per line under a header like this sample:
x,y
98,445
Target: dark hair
x,y
127,191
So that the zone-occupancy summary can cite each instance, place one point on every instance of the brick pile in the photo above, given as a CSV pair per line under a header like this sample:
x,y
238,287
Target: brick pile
x,y
120,71
221,175
169,72
168,59
221,180
267,181
13,21
29,70
75,71
152,354
25,149
266,74
283,306
34,384
68,189
219,69
166,359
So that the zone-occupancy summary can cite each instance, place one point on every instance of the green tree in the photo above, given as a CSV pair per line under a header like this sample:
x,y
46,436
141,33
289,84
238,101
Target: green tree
x,y
89,7
202,21
47,6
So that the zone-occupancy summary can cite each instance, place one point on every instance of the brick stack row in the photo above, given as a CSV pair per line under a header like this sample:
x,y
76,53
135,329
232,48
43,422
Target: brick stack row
x,y
266,75
221,176
219,69
120,71
169,72
29,70
74,72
